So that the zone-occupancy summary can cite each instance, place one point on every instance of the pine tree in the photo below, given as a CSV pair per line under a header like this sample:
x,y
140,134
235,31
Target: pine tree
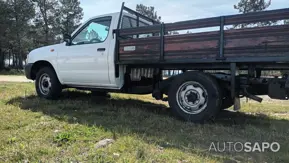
x,y
247,6
69,16
4,26
45,24
148,11
21,14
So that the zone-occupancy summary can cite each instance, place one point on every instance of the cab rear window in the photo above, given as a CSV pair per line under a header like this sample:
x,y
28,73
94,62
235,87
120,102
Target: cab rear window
x,y
129,22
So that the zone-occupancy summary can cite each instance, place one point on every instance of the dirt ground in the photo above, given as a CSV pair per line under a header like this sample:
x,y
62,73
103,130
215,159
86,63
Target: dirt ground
x,y
12,78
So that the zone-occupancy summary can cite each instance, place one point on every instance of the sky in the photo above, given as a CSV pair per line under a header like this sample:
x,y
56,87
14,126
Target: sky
x,y
171,10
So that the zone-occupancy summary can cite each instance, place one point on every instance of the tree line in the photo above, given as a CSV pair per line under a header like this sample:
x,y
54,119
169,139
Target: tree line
x,y
29,24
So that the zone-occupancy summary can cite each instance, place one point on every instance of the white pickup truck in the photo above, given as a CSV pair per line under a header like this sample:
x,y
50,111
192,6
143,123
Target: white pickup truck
x,y
127,52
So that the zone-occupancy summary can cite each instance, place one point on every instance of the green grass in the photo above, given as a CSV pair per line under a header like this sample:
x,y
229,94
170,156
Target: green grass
x,y
12,72
67,130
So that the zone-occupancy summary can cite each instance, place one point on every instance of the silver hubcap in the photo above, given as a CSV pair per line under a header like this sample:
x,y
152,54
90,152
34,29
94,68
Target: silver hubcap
x,y
192,97
44,84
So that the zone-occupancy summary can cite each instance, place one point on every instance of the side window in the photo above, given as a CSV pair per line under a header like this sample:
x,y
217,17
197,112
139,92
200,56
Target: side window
x,y
94,32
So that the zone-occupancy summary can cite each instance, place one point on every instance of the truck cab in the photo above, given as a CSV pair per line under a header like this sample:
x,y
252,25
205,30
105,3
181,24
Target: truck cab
x,y
86,58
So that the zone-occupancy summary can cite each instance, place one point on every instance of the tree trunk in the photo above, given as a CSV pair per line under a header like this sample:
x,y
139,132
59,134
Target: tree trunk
x,y
19,56
14,60
2,60
9,58
43,10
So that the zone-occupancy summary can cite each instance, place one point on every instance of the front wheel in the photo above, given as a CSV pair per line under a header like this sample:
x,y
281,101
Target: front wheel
x,y
47,84
195,97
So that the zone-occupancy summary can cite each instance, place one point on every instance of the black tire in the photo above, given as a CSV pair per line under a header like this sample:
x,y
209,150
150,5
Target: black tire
x,y
54,88
211,93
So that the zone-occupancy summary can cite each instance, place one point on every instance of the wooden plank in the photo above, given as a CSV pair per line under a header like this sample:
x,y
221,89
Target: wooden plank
x,y
264,42
209,54
140,58
139,41
140,30
191,45
193,24
203,36
249,55
140,48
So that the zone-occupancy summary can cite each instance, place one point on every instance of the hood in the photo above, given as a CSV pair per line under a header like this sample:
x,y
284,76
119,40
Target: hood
x,y
43,53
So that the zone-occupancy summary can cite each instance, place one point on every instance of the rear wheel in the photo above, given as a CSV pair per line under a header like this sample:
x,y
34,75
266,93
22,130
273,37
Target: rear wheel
x,y
47,84
195,97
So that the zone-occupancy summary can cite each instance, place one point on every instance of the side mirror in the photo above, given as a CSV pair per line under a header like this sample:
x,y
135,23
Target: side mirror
x,y
67,39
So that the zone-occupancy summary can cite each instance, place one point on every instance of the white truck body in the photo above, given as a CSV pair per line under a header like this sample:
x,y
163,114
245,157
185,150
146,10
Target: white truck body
x,y
89,65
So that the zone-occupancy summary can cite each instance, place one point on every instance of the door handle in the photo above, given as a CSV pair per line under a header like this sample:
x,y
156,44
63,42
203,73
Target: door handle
x,y
101,49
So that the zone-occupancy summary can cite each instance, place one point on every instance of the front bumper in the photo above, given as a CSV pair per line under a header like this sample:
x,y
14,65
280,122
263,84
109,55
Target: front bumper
x,y
28,68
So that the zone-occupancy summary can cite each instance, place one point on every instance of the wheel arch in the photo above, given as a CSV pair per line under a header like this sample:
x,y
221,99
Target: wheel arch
x,y
40,64
165,84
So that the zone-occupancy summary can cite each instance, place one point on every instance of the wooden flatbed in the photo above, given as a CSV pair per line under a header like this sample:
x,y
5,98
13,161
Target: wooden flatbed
x,y
269,44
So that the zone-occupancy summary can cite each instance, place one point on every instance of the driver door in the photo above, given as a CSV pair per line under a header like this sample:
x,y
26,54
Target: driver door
x,y
85,61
